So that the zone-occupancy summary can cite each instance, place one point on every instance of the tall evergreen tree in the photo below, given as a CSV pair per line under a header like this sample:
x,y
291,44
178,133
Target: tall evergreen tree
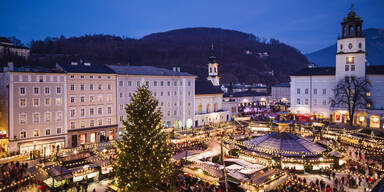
x,y
143,153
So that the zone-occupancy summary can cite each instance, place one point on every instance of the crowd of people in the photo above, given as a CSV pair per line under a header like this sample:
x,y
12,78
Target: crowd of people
x,y
11,172
187,183
181,147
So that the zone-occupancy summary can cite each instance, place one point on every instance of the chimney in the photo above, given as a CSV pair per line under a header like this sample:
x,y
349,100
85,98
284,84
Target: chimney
x,y
87,64
10,66
73,63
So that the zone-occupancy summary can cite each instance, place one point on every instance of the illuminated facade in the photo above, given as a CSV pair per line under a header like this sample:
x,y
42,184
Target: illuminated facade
x,y
33,110
173,89
312,88
91,103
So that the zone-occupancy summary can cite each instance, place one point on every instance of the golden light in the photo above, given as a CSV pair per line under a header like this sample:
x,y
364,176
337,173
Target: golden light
x,y
375,119
361,118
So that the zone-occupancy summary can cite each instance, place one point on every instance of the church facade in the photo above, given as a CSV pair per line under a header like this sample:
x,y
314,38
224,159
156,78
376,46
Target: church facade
x,y
312,89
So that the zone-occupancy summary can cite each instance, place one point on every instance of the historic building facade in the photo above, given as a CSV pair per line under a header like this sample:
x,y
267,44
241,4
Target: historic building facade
x,y
33,110
173,89
91,103
209,97
313,88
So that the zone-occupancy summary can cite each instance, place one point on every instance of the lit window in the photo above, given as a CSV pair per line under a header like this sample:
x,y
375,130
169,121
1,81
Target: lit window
x,y
23,102
47,101
23,134
368,94
99,98
109,98
35,102
35,133
58,101
82,124
350,60
368,105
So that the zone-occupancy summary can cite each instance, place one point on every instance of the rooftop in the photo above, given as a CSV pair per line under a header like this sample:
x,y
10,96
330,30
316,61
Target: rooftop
x,y
285,142
206,87
145,70
84,68
282,85
248,93
317,71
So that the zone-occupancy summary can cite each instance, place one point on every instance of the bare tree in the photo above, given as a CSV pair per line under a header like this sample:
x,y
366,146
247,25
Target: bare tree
x,y
351,93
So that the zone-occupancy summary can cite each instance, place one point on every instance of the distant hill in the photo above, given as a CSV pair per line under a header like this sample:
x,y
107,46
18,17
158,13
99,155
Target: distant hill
x,y
242,57
374,45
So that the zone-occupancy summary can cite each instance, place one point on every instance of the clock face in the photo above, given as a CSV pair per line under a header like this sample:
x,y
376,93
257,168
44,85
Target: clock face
x,y
350,46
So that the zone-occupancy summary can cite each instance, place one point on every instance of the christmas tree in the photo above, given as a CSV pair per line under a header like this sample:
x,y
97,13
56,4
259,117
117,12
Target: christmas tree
x,y
143,159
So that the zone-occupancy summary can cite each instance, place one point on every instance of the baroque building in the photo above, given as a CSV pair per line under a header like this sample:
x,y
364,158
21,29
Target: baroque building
x,y
313,88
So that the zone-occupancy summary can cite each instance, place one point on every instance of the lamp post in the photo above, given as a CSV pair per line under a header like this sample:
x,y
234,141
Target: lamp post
x,y
222,159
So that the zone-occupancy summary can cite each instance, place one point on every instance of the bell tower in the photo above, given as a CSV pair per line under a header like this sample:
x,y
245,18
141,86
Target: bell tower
x,y
351,53
213,69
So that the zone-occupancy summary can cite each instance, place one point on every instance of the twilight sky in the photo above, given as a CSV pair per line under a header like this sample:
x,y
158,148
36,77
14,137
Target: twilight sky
x,y
305,24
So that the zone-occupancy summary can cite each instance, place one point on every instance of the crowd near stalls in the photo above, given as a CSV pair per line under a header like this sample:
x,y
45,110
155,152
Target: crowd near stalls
x,y
11,172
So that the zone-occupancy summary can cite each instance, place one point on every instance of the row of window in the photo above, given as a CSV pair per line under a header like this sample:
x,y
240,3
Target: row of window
x,y
36,102
349,67
208,108
306,91
91,123
92,112
92,87
36,133
72,98
315,101
23,117
36,90
90,77
154,83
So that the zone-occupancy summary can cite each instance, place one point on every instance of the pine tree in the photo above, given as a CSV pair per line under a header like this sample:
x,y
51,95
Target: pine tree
x,y
143,160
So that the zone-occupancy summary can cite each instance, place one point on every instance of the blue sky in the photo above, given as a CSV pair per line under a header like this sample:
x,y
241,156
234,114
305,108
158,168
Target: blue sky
x,y
305,24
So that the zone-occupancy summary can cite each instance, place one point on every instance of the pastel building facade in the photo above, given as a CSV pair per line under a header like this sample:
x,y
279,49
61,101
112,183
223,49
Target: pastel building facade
x,y
173,89
91,103
33,110
312,89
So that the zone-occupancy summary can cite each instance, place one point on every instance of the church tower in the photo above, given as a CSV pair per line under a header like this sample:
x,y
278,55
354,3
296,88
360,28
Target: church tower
x,y
213,69
351,54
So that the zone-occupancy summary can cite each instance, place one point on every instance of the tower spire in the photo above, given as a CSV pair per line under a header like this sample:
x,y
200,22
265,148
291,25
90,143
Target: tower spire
x,y
212,57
